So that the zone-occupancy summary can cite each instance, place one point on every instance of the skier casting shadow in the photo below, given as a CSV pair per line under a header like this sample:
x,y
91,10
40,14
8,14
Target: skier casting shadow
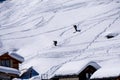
x,y
55,43
75,27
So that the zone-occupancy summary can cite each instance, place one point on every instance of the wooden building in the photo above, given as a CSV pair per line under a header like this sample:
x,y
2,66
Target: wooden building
x,y
29,73
76,70
9,65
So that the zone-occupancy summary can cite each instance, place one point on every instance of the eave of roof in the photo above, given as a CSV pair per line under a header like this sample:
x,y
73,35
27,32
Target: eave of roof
x,y
17,57
69,68
109,69
13,55
9,70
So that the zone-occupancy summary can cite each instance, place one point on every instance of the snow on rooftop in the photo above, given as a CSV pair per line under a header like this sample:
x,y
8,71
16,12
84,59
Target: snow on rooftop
x,y
9,70
4,50
12,54
75,67
110,69
17,57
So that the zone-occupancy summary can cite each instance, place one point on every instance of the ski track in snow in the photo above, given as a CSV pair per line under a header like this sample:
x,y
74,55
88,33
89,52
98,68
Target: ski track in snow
x,y
55,30
30,29
59,52
54,68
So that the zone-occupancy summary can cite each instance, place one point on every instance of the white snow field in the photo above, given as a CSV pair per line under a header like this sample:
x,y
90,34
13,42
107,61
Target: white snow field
x,y
31,26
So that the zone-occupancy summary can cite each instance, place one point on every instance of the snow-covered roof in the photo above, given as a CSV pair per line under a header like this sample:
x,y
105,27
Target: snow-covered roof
x,y
75,67
9,70
17,57
2,51
13,55
111,70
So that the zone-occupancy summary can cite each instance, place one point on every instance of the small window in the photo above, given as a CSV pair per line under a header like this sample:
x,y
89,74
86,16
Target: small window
x,y
88,75
6,63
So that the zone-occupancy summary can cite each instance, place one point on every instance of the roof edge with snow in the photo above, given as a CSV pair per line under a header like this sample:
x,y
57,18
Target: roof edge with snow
x,y
13,55
17,57
91,63
84,66
107,72
9,70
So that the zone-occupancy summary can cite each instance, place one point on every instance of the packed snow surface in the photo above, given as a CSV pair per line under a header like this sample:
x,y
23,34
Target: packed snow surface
x,y
31,26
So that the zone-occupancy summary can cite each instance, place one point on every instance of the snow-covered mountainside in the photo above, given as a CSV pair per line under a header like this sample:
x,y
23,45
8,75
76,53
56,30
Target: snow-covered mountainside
x,y
31,26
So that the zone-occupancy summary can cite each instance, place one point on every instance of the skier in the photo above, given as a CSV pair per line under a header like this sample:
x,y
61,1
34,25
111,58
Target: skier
x,y
55,43
75,27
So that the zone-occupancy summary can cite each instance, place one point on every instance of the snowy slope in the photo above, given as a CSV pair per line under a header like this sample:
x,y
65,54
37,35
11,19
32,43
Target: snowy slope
x,y
31,26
